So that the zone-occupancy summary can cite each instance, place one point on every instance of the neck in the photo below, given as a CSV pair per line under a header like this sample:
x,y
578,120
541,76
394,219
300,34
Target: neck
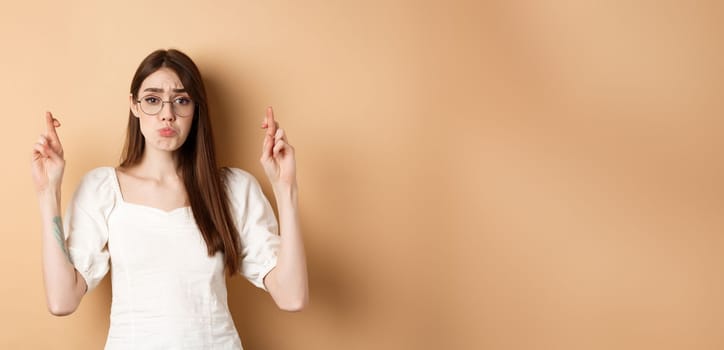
x,y
158,165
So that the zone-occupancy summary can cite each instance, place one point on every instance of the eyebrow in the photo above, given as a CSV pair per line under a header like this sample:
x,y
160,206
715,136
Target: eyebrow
x,y
152,89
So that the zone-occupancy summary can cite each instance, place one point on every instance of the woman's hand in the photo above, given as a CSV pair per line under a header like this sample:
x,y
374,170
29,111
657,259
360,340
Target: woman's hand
x,y
47,161
277,155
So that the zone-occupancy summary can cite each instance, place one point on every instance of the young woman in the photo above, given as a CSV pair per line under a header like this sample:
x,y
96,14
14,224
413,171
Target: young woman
x,y
168,222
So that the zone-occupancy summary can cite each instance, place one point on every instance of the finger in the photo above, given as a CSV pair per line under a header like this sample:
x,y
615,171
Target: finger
x,y
50,125
283,147
288,149
265,122
278,147
45,141
36,155
266,149
279,135
51,153
270,122
45,149
265,125
40,148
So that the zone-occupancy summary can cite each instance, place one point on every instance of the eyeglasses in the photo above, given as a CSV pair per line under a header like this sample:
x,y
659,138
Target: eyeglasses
x,y
181,106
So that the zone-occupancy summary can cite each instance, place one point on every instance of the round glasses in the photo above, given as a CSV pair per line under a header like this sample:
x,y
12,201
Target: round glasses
x,y
180,106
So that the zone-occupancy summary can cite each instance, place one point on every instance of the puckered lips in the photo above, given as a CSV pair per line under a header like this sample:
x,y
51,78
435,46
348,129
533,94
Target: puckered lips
x,y
167,132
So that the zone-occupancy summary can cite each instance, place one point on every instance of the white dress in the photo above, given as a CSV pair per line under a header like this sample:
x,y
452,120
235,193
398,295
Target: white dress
x,y
167,292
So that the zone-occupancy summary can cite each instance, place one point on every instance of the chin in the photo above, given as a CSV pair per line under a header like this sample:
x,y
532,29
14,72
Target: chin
x,y
168,146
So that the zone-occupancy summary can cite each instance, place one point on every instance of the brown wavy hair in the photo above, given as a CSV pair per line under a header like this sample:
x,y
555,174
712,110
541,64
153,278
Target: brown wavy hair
x,y
203,180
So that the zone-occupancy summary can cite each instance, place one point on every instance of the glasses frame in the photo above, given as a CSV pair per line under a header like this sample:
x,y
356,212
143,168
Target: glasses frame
x,y
173,109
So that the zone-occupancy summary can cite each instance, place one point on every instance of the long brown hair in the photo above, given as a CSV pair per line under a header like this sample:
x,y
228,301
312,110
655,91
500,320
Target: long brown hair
x,y
203,181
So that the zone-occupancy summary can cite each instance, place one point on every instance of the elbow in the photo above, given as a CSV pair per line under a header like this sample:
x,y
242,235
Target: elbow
x,y
290,297
294,305
60,312
60,309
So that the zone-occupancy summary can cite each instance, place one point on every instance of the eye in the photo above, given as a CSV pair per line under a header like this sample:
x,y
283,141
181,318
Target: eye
x,y
152,100
182,101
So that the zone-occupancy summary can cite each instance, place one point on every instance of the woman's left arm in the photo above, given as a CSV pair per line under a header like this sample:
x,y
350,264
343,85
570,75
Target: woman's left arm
x,y
287,282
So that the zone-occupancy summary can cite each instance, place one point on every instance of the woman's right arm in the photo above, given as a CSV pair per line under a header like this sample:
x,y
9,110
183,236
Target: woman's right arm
x,y
64,286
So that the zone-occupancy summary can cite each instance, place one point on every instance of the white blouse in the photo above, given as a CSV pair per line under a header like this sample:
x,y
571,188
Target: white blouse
x,y
167,292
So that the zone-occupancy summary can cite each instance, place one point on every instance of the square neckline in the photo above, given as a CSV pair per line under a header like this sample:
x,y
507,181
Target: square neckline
x,y
117,188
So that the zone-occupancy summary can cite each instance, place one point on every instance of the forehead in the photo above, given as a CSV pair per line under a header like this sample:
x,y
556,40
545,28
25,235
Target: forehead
x,y
164,78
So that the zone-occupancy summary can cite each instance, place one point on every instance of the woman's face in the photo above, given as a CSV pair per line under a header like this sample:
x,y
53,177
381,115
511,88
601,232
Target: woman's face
x,y
168,128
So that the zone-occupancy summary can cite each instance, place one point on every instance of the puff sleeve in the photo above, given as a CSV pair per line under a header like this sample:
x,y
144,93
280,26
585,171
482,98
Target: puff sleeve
x,y
256,223
86,225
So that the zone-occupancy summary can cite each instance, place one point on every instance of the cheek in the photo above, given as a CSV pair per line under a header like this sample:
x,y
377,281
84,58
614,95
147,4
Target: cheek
x,y
185,129
143,123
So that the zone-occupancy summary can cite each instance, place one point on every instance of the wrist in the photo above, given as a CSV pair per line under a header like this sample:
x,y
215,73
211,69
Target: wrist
x,y
49,200
285,191
50,192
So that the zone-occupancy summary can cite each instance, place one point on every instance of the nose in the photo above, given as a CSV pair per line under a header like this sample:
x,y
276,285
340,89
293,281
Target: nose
x,y
167,112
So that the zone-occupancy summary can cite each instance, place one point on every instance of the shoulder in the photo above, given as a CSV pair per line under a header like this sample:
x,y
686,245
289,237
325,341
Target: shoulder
x,y
97,184
240,184
238,178
103,173
101,176
246,197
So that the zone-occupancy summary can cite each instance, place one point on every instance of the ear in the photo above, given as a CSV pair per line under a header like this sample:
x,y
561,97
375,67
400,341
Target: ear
x,y
133,105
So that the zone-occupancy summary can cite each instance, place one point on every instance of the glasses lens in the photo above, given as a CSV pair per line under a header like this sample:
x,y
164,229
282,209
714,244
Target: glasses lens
x,y
183,106
151,105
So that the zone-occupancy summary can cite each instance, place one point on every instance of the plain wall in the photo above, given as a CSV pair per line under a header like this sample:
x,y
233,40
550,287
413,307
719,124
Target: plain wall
x,y
473,175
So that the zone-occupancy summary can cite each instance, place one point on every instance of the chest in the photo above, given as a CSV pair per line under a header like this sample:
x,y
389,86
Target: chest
x,y
165,196
147,241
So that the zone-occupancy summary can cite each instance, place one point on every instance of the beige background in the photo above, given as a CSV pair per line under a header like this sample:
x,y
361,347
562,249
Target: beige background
x,y
506,175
